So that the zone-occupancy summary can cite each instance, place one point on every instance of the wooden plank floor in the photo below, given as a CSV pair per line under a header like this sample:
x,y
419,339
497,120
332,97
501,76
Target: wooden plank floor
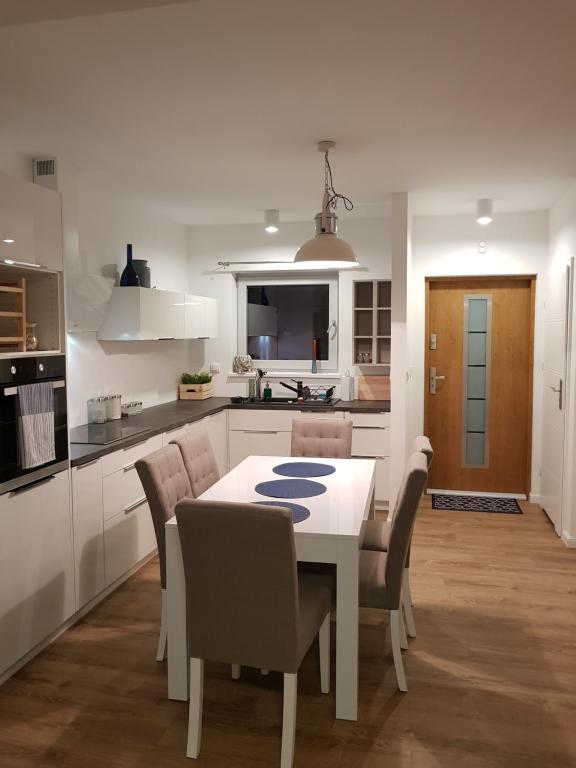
x,y
492,673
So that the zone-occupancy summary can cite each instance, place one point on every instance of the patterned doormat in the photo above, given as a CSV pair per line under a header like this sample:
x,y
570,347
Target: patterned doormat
x,y
476,504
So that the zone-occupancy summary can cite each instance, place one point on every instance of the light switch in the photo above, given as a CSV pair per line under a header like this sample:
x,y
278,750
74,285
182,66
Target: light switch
x,y
432,341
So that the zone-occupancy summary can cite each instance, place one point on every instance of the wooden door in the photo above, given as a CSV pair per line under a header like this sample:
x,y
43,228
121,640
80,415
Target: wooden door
x,y
478,408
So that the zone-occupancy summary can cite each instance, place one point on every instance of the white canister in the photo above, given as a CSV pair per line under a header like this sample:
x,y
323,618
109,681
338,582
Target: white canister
x,y
347,388
97,410
113,407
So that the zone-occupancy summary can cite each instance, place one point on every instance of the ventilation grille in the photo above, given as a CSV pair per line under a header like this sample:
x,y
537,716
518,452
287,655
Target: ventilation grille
x,y
45,172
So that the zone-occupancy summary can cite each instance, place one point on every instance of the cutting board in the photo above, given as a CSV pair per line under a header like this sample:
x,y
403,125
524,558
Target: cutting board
x,y
373,387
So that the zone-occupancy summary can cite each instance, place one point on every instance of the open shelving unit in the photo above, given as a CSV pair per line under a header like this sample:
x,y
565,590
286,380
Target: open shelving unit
x,y
13,316
373,325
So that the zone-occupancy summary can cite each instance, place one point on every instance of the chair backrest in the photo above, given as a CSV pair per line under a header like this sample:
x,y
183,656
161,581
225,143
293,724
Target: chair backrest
x,y
322,438
165,482
423,444
199,460
409,495
241,583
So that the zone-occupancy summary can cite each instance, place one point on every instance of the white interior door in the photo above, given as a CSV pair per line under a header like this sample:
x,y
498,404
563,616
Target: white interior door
x,y
556,312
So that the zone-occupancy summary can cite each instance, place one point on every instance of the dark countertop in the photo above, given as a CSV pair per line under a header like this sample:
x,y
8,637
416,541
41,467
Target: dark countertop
x,y
161,418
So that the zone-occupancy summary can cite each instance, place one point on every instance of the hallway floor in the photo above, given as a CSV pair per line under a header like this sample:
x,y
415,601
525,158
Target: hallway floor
x,y
491,675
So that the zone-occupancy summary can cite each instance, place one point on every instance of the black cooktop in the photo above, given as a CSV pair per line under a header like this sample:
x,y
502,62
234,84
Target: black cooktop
x,y
102,434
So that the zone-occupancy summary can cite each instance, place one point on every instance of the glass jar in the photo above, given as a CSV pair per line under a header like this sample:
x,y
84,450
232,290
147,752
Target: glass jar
x,y
31,337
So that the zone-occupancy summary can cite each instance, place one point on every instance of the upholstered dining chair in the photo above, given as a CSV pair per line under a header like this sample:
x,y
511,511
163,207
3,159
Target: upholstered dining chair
x,y
382,573
322,438
199,460
245,602
165,482
376,535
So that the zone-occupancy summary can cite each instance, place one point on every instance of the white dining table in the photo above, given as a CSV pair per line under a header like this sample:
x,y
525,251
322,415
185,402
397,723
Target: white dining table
x,y
331,534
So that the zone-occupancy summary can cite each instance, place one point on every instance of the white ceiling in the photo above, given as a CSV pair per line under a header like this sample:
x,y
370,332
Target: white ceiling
x,y
210,110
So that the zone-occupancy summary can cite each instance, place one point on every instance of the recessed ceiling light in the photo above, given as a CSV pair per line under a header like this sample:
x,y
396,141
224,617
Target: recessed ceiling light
x,y
271,220
8,240
484,210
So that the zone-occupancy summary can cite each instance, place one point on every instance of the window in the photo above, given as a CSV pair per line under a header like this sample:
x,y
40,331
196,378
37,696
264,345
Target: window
x,y
285,323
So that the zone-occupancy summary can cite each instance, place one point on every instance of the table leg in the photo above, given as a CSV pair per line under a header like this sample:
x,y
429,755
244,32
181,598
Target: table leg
x,y
347,631
176,618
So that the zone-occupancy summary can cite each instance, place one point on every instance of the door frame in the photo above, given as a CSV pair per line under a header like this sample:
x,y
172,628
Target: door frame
x,y
477,281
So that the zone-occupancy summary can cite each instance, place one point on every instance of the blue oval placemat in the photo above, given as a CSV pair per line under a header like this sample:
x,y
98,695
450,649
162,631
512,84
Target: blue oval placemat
x,y
304,469
299,512
290,489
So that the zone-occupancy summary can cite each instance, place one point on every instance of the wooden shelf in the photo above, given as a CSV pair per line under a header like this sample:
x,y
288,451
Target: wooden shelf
x,y
383,337
388,309
11,314
12,340
16,313
375,322
362,337
10,289
363,309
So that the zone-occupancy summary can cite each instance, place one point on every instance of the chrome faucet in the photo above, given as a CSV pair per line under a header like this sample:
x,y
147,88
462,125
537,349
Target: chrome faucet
x,y
255,384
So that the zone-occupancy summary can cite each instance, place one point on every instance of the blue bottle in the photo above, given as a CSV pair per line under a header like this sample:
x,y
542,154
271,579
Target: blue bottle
x,y
129,276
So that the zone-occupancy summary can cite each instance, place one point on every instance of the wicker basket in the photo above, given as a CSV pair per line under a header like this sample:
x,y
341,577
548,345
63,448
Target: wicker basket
x,y
195,391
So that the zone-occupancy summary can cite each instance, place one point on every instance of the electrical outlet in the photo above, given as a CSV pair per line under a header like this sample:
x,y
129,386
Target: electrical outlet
x,y
215,368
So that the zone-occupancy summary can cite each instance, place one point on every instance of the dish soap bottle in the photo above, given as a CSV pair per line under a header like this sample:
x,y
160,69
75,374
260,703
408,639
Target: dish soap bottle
x,y
267,394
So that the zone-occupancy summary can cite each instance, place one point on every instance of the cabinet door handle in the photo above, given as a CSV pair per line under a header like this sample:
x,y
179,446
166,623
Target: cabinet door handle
x,y
134,505
166,338
31,485
128,467
87,464
260,431
363,427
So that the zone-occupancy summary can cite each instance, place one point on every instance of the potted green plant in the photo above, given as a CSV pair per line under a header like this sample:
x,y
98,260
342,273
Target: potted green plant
x,y
195,386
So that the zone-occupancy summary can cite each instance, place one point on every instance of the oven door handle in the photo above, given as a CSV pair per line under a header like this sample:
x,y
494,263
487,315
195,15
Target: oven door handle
x,y
10,391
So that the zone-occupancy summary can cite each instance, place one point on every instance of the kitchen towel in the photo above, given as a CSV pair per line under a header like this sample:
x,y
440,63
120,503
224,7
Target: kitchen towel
x,y
36,444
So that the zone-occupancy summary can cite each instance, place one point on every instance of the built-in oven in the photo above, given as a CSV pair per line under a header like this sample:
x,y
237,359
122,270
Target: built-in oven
x,y
15,372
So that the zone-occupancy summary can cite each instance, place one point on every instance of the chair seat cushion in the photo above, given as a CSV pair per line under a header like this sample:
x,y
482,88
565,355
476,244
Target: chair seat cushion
x,y
376,535
372,581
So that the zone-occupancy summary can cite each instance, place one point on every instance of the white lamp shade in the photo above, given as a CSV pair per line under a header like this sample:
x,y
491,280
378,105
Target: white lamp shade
x,y
326,250
271,220
484,211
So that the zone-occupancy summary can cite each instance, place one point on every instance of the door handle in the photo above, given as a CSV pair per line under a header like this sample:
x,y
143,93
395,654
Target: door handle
x,y
558,391
432,379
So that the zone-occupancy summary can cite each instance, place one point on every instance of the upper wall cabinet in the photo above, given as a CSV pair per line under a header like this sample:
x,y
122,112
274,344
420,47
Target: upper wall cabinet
x,y
30,224
147,314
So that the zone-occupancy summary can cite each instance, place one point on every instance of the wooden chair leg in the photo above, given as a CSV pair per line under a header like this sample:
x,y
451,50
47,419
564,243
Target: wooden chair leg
x,y
407,604
161,652
289,719
395,620
324,643
195,707
403,638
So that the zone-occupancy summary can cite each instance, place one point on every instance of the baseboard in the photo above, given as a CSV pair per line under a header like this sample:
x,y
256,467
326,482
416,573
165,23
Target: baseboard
x,y
569,541
487,494
75,618
534,498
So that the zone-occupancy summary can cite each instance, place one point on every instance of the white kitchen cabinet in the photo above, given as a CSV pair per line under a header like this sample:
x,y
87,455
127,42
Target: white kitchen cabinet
x,y
174,434
128,538
147,314
125,458
36,565
200,317
88,526
217,428
30,215
371,439
121,491
263,420
257,443
86,300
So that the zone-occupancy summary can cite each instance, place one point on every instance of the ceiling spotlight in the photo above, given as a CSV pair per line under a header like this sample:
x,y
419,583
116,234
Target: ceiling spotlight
x,y
326,250
272,220
484,210
8,240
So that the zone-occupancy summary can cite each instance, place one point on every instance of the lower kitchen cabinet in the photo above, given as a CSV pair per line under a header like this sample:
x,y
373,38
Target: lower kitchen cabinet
x,y
36,564
88,524
128,538
257,443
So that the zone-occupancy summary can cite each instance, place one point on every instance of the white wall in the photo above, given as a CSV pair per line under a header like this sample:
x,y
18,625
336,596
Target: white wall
x,y
562,250
208,245
448,245
103,223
